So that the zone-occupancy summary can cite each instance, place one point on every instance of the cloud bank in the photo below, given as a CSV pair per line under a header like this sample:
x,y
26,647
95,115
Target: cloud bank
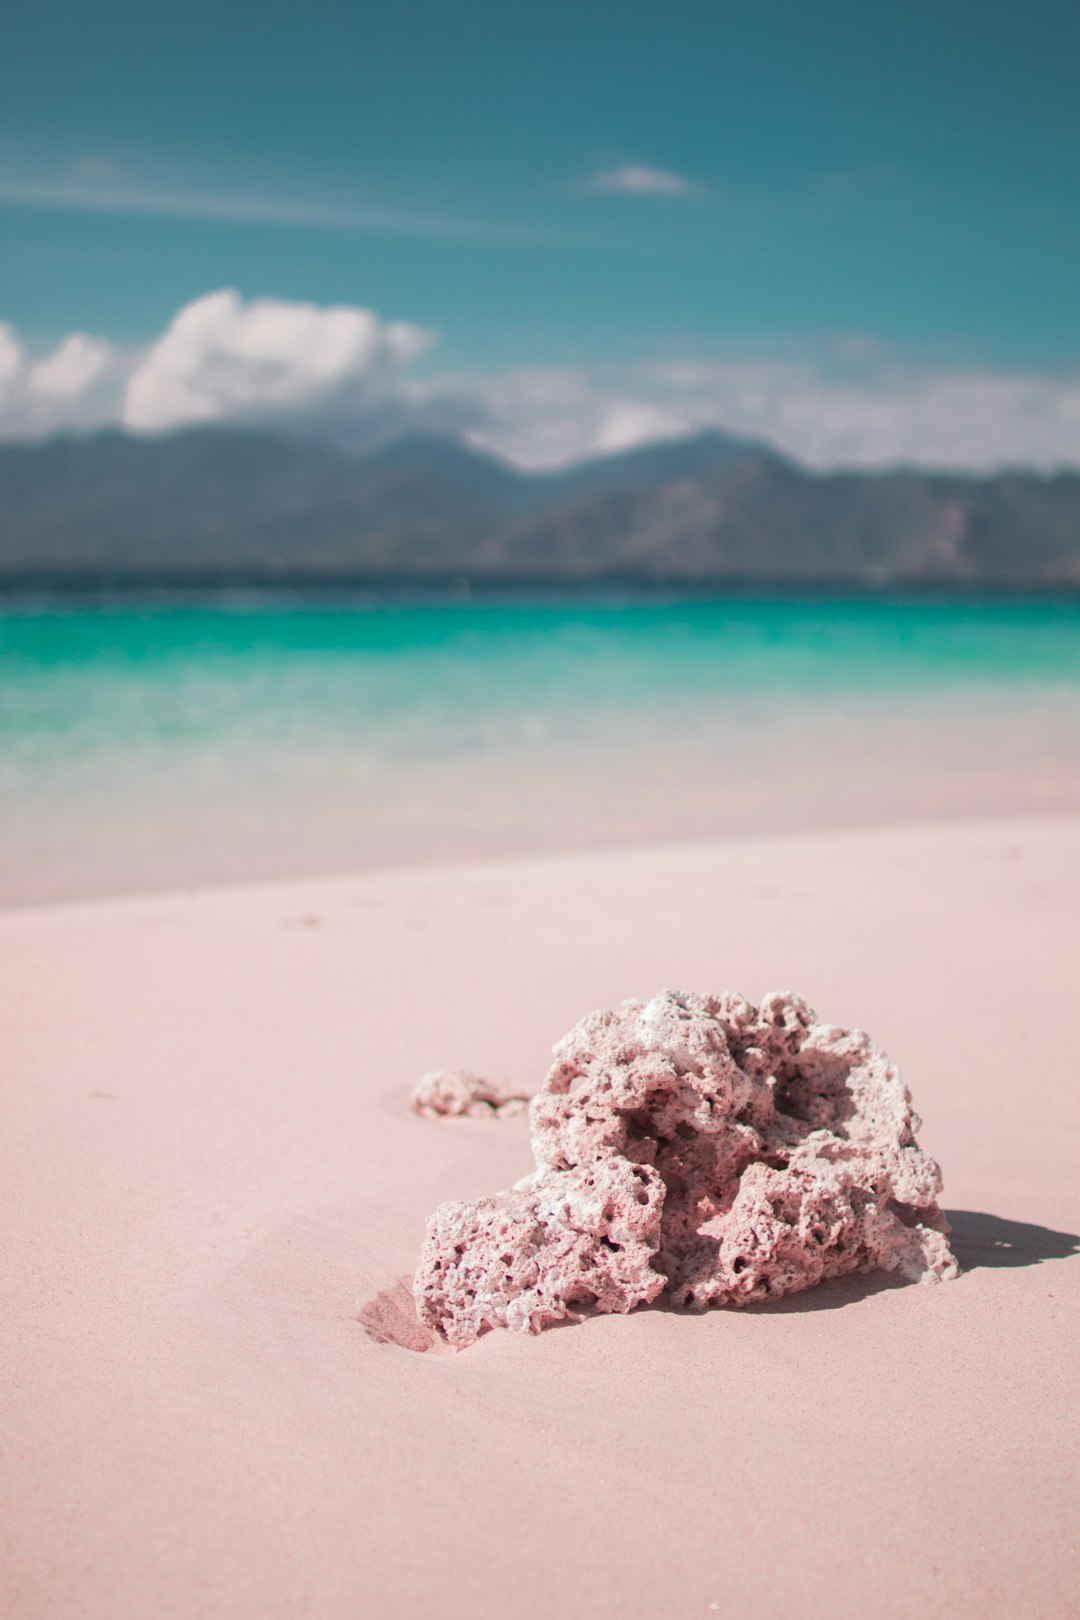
x,y
343,372
222,360
881,416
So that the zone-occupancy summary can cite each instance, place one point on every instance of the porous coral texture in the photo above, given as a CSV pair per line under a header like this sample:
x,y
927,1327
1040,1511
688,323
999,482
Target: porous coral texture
x,y
586,1236
702,1145
450,1092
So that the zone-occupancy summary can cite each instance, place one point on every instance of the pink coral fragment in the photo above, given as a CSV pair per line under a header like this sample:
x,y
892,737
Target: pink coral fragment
x,y
701,1146
457,1091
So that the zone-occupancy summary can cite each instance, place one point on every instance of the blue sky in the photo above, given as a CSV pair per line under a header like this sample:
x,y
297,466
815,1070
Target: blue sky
x,y
572,186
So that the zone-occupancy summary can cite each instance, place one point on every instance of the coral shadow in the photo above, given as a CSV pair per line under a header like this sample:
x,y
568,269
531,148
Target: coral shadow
x,y
831,1295
990,1240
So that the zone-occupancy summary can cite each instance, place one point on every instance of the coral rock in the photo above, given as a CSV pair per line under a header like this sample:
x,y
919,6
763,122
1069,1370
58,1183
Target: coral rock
x,y
456,1091
585,1237
721,1151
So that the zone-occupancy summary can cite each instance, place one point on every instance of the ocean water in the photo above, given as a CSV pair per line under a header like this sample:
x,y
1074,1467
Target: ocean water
x,y
148,743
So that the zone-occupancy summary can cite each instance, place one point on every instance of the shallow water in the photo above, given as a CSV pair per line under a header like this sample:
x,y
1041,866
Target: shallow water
x,y
145,743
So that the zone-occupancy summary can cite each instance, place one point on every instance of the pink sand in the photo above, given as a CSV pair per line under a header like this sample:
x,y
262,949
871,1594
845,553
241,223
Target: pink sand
x,y
211,1170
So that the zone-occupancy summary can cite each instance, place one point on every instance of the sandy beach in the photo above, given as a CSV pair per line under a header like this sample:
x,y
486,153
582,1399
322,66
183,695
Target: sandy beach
x,y
211,1170
539,813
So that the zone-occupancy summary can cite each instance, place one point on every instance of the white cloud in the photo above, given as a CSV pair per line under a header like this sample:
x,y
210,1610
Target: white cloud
x,y
548,417
73,386
881,415
223,360
342,372
72,368
335,369
639,180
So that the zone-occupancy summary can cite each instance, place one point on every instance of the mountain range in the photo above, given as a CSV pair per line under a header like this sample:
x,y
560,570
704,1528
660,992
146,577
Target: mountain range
x,y
216,506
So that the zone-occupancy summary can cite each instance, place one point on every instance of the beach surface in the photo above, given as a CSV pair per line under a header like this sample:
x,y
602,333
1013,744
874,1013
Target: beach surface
x,y
211,1171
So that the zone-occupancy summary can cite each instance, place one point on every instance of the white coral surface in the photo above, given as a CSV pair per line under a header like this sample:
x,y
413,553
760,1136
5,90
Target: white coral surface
x,y
700,1145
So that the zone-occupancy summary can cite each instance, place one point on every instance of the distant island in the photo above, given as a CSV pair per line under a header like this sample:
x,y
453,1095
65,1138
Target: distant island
x,y
217,507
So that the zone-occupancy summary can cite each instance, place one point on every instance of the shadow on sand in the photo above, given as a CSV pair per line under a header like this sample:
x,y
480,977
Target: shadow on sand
x,y
988,1240
827,1296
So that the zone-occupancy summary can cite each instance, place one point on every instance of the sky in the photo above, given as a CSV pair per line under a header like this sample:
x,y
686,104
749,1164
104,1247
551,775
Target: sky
x,y
555,229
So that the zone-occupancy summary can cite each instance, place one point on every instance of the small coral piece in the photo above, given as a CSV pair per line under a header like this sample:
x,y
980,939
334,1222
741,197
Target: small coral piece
x,y
456,1091
700,1145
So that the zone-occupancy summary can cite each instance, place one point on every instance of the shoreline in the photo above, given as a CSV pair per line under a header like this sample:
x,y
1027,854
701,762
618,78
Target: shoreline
x,y
469,864
178,747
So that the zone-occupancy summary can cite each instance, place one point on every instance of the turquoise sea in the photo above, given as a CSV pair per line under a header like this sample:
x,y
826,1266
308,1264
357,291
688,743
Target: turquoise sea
x,y
158,743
